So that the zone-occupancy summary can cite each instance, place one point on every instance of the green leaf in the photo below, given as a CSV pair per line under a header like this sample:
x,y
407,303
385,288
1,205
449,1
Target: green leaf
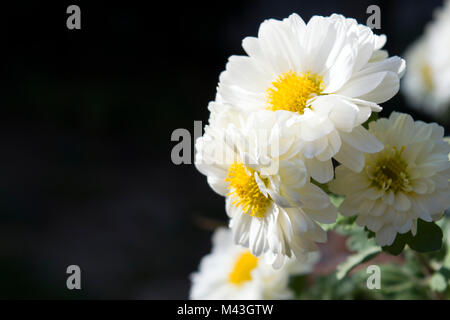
x,y
298,284
438,282
428,237
446,273
445,250
397,247
355,259
328,287
370,234
358,240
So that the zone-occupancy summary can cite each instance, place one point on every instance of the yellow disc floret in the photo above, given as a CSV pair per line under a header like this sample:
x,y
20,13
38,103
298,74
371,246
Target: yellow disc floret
x,y
427,76
242,269
389,171
291,91
245,191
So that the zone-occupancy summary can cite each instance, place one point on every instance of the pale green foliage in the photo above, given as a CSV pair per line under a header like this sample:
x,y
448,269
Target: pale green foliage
x,y
438,282
422,270
355,259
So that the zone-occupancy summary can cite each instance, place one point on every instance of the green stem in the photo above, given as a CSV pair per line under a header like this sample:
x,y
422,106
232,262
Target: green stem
x,y
428,271
426,267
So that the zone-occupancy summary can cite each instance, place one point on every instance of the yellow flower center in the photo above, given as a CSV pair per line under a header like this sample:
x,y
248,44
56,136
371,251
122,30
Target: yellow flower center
x,y
291,91
245,191
427,77
242,269
390,171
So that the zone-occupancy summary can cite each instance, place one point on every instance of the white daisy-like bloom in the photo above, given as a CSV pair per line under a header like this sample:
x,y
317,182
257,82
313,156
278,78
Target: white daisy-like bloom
x,y
254,161
329,74
427,82
406,181
232,272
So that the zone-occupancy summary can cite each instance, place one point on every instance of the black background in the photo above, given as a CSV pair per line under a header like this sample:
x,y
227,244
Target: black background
x,y
86,118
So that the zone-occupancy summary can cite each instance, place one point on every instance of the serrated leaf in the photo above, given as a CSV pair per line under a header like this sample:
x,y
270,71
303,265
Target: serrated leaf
x,y
355,259
358,241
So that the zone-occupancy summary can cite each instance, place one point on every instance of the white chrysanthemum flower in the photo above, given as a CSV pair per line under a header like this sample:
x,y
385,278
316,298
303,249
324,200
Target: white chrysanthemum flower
x,y
232,272
427,82
255,163
329,74
406,181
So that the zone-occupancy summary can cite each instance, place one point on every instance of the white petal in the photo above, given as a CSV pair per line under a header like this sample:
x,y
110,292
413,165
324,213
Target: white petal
x,y
373,193
327,215
321,171
373,224
378,209
362,140
388,197
257,236
402,202
344,115
360,86
312,149
341,71
350,157
385,90
386,236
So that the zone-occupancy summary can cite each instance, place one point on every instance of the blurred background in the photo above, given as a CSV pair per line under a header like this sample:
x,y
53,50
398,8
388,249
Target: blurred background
x,y
86,119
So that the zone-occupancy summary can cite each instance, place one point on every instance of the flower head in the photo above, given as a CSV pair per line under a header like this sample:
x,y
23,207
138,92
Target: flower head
x,y
406,181
254,161
232,272
329,75
427,82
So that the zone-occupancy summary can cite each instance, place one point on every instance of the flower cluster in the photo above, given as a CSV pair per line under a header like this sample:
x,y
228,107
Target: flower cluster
x,y
282,113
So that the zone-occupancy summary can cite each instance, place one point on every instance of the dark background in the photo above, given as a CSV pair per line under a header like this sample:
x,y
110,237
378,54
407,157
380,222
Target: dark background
x,y
86,119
